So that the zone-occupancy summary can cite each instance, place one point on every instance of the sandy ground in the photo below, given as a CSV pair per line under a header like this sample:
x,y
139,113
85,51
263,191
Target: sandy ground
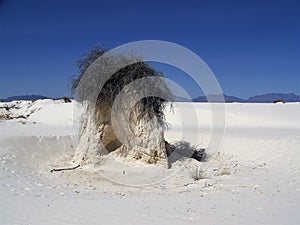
x,y
254,179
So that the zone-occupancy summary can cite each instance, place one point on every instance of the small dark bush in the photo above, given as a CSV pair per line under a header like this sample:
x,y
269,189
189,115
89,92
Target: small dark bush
x,y
66,100
279,100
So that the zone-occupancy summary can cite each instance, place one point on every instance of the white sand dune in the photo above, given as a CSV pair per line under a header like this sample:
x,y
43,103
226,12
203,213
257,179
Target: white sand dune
x,y
255,179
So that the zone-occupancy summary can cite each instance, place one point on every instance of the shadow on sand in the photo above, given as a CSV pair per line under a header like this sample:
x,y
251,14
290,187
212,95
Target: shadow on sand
x,y
177,151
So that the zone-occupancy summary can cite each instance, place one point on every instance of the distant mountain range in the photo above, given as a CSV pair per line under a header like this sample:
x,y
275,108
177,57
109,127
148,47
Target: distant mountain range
x,y
26,97
275,96
265,98
218,98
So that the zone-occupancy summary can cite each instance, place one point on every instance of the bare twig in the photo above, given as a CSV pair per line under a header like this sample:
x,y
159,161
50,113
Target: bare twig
x,y
62,169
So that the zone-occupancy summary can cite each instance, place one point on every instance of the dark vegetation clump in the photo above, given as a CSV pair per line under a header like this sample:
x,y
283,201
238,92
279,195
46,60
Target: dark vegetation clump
x,y
66,100
150,105
84,62
279,101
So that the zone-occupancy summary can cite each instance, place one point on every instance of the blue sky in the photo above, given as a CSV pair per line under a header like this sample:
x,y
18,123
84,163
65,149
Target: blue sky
x,y
253,47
